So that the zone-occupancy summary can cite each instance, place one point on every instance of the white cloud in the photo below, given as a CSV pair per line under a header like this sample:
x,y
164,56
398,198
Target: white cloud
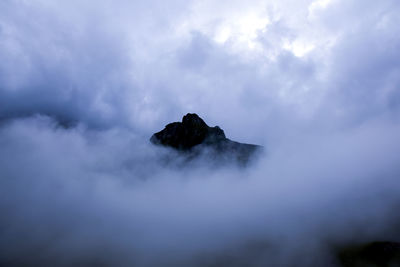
x,y
317,6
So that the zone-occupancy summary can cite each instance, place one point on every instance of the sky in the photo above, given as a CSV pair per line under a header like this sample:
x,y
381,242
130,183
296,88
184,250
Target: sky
x,y
84,84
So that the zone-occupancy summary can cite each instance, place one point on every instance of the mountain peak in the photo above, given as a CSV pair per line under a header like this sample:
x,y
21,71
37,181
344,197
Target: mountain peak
x,y
193,134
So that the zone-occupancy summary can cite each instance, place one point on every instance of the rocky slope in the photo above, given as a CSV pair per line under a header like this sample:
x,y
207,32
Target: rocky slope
x,y
193,137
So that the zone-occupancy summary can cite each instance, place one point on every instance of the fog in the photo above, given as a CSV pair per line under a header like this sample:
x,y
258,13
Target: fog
x,y
84,84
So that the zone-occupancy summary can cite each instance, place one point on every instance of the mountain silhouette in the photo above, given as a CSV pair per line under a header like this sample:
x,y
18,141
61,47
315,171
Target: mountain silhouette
x,y
193,136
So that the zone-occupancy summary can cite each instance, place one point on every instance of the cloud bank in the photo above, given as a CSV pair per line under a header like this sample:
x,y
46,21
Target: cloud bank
x,y
83,85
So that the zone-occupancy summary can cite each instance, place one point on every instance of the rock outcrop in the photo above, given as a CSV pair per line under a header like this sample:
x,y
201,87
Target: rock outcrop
x,y
375,254
193,136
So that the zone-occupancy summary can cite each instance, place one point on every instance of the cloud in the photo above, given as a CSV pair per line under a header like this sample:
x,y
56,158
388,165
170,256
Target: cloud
x,y
95,192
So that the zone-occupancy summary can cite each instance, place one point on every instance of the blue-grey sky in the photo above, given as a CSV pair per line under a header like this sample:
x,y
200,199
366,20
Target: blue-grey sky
x,y
315,82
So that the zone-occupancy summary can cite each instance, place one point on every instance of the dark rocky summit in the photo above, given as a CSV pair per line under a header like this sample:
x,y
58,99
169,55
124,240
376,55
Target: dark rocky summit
x,y
193,136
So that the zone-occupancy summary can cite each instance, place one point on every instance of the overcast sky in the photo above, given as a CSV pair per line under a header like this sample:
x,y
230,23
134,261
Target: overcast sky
x,y
317,83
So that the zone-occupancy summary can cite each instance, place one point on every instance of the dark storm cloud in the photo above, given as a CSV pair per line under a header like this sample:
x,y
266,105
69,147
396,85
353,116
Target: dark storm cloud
x,y
54,65
95,193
